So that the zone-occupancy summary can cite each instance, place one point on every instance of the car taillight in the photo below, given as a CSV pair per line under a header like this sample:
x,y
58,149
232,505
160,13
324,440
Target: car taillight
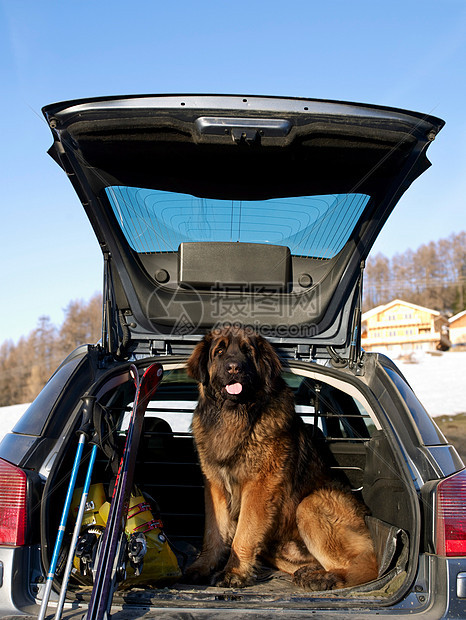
x,y
451,515
13,495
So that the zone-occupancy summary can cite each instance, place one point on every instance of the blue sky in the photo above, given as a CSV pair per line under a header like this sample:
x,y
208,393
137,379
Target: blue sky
x,y
403,53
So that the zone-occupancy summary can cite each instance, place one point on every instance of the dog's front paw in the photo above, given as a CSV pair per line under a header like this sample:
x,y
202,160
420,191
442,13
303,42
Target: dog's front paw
x,y
197,574
316,580
230,579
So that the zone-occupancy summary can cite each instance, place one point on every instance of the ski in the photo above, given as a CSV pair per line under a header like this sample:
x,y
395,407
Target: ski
x,y
111,558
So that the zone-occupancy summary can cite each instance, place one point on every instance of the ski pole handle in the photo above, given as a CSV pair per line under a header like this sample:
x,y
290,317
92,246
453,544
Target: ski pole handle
x,y
88,410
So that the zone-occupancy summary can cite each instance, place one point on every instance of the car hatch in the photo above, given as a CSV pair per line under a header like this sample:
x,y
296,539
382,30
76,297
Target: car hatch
x,y
259,210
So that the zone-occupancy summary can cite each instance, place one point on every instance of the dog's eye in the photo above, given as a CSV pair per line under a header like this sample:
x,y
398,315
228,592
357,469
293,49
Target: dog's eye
x,y
245,349
218,352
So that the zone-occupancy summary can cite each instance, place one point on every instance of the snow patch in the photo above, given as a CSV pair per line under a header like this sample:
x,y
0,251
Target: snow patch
x,y
9,416
439,381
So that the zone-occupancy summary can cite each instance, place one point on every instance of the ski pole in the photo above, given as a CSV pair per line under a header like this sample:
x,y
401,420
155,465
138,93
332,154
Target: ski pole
x,y
83,434
77,529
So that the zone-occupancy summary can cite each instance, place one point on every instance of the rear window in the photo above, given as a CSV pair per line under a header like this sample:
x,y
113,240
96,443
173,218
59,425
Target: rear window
x,y
311,226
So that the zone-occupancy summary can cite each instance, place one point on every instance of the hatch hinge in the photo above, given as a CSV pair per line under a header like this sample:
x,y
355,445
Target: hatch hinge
x,y
356,354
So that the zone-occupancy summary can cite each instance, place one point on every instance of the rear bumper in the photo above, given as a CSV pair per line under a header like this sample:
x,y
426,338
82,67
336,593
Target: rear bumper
x,y
438,592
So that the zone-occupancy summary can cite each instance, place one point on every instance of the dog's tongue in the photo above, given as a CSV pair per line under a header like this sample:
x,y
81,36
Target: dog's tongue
x,y
234,388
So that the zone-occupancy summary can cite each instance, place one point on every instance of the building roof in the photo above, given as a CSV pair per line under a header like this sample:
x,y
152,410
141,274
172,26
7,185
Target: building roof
x,y
452,319
394,302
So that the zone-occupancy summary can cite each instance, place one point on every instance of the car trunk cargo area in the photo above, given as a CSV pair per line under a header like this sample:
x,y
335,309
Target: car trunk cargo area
x,y
352,440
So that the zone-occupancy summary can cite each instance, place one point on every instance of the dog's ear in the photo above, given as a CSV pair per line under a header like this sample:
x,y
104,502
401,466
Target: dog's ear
x,y
198,362
270,365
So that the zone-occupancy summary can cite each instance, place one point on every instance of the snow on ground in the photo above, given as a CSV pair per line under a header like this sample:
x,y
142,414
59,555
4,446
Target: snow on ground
x,y
439,382
9,416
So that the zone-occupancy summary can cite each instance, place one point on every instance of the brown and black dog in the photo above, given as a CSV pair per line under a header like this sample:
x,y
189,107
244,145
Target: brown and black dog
x,y
267,492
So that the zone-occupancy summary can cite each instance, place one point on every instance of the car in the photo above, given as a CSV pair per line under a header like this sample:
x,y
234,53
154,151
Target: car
x,y
259,211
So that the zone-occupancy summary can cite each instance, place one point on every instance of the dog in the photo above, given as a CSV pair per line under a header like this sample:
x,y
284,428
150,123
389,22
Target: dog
x,y
268,495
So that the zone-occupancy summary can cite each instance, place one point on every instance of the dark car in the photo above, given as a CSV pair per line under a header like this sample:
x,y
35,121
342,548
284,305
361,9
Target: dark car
x,y
252,210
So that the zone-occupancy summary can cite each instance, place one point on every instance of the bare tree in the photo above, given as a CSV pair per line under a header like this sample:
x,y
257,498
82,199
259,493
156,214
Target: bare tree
x,y
377,281
433,276
82,324
26,366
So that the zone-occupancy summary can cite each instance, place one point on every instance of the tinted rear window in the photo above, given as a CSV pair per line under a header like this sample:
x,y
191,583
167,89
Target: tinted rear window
x,y
157,221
